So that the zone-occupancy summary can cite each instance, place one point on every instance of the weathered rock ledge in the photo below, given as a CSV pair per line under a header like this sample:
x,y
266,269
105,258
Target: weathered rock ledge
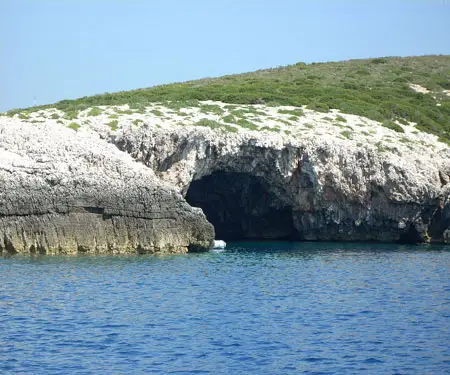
x,y
66,192
303,189
135,187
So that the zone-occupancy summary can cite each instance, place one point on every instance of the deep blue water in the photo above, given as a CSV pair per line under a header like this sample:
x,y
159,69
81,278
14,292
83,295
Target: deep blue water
x,y
256,308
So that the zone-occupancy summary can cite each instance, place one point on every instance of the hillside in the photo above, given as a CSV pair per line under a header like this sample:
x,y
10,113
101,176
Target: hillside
x,y
405,90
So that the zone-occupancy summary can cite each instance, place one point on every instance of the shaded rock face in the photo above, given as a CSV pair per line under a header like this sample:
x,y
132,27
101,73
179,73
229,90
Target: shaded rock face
x,y
241,207
320,190
67,192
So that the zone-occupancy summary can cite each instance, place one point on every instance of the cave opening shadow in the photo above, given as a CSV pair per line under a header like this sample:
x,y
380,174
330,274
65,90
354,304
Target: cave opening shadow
x,y
240,207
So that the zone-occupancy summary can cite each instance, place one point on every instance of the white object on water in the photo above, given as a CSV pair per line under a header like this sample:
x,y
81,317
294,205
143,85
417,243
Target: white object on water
x,y
219,244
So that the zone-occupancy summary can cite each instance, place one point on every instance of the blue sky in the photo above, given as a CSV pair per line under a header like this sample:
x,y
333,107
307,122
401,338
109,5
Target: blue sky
x,y
61,49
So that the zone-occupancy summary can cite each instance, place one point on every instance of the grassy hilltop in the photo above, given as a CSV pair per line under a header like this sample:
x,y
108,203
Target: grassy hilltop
x,y
378,88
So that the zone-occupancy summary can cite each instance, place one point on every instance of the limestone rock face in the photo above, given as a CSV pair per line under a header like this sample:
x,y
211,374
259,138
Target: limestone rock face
x,y
321,188
63,191
168,180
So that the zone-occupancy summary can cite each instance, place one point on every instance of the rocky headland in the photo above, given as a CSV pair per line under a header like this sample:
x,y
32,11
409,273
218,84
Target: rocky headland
x,y
160,180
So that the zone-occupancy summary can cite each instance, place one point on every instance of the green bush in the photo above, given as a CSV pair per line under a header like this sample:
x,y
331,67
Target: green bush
x,y
114,125
347,134
157,112
71,115
379,60
23,116
294,112
402,121
229,119
124,111
393,126
211,108
269,129
94,112
74,126
215,125
319,107
246,124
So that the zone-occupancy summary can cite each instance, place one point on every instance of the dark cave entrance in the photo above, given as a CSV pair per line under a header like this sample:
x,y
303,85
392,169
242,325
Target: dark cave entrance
x,y
240,207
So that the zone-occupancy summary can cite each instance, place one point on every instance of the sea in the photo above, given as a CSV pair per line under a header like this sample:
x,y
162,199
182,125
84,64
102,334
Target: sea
x,y
252,308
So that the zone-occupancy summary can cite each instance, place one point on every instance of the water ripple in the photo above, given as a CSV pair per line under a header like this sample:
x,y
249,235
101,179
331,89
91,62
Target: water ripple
x,y
260,308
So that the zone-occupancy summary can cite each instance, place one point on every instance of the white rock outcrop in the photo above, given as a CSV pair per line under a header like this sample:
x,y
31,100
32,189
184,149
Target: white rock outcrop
x,y
257,172
67,192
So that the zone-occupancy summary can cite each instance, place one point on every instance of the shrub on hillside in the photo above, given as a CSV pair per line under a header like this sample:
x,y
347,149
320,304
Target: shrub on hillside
x,y
393,126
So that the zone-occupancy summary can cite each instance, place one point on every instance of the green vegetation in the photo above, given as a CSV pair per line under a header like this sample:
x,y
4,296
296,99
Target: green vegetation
x,y
176,103
295,112
274,130
246,124
240,113
347,134
157,112
340,118
24,116
375,88
71,115
74,126
215,125
123,111
113,116
284,121
254,111
405,140
392,125
229,119
319,107
380,147
211,108
95,112
54,116
137,122
114,125
208,123
402,121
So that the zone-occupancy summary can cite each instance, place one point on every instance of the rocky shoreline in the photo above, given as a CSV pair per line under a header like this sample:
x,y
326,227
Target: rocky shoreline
x,y
135,186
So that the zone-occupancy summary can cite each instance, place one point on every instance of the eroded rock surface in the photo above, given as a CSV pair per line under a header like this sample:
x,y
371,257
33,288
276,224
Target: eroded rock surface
x,y
129,184
66,192
314,188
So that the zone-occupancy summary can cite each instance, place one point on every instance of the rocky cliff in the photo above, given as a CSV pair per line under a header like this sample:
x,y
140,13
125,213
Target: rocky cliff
x,y
251,186
266,175
66,192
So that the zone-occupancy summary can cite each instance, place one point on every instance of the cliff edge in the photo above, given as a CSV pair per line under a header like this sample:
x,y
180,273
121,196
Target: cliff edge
x,y
67,192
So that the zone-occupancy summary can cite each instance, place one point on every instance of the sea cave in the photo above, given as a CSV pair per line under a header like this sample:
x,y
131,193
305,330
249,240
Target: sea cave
x,y
241,207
